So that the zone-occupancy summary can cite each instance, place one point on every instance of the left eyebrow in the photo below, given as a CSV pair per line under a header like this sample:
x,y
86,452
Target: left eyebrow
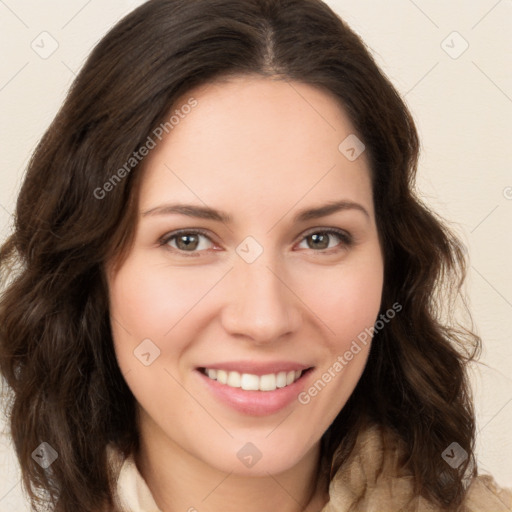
x,y
329,209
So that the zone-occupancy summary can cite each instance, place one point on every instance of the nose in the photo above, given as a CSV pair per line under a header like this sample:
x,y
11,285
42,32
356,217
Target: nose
x,y
261,305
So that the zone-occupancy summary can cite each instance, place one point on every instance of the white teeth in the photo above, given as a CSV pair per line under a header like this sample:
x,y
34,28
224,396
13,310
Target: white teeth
x,y
222,376
268,382
281,380
250,382
234,380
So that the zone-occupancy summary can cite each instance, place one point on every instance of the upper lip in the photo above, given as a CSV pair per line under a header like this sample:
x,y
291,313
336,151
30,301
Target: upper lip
x,y
256,368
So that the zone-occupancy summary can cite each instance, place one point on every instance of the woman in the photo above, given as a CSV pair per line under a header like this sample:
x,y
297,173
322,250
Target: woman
x,y
226,293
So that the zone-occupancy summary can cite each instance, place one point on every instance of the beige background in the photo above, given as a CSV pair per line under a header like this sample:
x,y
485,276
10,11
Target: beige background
x,y
462,103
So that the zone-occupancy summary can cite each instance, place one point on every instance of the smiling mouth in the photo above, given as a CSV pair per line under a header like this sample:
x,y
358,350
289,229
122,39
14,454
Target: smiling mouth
x,y
251,382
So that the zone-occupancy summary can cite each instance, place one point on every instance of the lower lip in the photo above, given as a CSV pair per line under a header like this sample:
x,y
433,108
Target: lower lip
x,y
256,403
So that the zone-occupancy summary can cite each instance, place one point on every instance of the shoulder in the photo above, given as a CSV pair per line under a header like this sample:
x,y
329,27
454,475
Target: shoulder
x,y
484,495
372,479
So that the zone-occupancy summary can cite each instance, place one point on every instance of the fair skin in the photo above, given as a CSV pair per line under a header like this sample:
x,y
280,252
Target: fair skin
x,y
261,151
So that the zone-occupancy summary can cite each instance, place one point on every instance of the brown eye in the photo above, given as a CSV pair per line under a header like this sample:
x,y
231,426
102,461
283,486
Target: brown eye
x,y
186,242
318,241
321,240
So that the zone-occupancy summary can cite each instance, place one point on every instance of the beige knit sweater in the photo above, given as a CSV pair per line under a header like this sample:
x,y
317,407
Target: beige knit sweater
x,y
366,482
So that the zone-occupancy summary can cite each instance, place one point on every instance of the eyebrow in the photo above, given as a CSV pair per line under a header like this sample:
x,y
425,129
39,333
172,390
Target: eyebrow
x,y
205,212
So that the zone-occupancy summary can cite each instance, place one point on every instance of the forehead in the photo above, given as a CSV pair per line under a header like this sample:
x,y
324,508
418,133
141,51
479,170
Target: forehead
x,y
255,142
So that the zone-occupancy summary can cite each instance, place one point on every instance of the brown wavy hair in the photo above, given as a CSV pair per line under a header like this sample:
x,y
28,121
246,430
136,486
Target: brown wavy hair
x,y
56,350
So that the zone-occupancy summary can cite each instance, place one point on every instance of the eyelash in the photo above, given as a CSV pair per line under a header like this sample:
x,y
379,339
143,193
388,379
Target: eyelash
x,y
346,239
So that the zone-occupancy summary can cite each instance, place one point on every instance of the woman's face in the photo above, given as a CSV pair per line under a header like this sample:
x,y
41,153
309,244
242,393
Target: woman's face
x,y
264,278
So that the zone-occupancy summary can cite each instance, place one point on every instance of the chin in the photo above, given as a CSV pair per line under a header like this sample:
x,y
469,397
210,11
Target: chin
x,y
255,455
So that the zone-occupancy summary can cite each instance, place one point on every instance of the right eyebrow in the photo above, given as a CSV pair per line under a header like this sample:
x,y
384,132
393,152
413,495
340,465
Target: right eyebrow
x,y
200,212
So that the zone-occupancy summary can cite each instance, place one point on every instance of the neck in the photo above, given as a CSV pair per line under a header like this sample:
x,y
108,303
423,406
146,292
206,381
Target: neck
x,y
179,481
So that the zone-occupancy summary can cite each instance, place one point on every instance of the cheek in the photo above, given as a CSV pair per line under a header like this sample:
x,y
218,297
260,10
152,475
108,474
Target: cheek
x,y
347,298
356,305
149,300
348,303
